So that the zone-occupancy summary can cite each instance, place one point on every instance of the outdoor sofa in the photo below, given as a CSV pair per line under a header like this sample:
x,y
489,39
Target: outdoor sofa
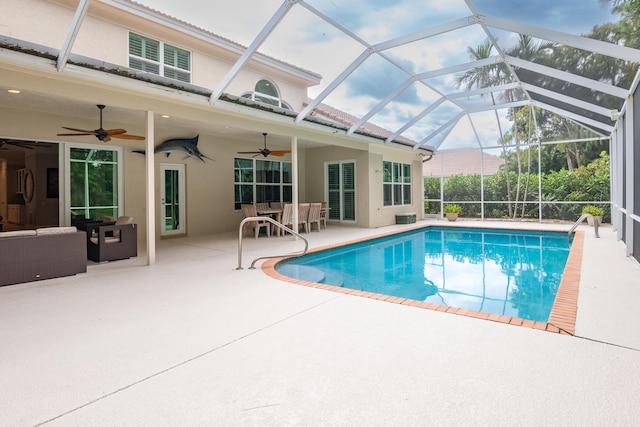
x,y
44,253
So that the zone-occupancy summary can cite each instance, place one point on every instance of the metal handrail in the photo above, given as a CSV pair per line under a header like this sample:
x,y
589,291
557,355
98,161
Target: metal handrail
x,y
582,218
276,223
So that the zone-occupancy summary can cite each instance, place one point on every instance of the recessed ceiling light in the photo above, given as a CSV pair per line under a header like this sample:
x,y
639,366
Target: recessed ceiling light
x,y
13,91
165,116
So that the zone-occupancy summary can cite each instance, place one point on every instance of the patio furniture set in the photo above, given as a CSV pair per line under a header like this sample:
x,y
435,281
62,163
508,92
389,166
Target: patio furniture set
x,y
309,214
49,252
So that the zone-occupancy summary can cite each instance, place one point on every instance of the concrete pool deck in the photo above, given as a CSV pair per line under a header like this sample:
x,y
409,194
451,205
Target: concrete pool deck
x,y
192,341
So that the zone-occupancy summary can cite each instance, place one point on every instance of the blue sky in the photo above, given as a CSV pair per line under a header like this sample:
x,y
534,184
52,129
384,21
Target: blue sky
x,y
571,16
303,39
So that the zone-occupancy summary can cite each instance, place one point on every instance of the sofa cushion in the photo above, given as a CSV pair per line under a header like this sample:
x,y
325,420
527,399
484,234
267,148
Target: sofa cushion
x,y
55,230
124,220
18,233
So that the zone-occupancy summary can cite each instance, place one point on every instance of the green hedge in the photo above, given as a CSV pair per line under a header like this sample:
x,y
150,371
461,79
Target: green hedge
x,y
589,183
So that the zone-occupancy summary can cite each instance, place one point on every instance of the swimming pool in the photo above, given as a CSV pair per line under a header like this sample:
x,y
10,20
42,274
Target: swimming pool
x,y
505,272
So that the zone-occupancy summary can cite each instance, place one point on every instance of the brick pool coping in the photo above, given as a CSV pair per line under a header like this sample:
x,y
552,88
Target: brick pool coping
x,y
562,319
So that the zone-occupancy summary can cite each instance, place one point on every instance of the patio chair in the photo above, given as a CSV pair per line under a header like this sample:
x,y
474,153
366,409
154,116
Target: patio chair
x,y
262,206
111,242
276,205
251,211
303,216
323,213
287,216
314,215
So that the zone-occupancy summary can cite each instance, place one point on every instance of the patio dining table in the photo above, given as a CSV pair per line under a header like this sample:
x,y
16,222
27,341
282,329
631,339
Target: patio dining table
x,y
274,213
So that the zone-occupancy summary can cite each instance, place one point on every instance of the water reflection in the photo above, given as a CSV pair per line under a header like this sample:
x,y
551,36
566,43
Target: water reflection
x,y
511,273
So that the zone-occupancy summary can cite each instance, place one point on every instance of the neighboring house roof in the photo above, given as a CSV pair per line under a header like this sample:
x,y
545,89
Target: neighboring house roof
x,y
465,162
339,116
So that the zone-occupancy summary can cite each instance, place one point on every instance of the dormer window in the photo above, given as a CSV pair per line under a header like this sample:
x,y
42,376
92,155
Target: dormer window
x,y
159,58
266,92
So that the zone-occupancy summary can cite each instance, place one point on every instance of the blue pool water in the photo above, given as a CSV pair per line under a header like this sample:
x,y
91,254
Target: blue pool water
x,y
513,273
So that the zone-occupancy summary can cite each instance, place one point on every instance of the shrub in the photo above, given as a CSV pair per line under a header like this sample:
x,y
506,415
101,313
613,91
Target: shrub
x,y
593,210
452,208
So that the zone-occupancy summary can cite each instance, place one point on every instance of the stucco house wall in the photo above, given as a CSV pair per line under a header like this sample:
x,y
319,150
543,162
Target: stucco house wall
x,y
370,209
104,35
209,184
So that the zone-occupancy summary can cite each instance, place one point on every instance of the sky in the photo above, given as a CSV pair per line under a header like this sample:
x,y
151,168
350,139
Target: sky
x,y
305,40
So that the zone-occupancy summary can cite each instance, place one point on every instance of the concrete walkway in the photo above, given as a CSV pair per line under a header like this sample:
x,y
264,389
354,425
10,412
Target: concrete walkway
x,y
191,341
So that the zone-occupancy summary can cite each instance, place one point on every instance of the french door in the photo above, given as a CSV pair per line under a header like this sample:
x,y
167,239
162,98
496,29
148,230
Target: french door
x,y
173,218
341,190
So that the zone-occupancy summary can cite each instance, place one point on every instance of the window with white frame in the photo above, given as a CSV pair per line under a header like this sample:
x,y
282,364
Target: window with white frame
x,y
159,58
94,176
396,180
266,92
261,181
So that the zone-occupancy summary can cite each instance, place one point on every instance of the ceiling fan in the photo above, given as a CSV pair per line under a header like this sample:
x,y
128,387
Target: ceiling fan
x,y
265,151
103,135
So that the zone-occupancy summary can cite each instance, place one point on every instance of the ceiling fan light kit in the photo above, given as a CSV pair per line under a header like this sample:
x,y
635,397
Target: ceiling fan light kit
x,y
103,135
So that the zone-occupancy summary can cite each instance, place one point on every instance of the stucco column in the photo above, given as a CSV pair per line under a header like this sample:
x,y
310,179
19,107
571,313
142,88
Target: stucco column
x,y
294,178
151,193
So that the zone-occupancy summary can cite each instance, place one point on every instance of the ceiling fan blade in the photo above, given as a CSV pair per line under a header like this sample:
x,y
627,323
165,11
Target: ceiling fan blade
x,y
89,132
113,132
106,139
279,152
125,136
75,134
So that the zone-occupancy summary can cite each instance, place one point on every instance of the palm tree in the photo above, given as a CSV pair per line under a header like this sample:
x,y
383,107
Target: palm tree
x,y
480,77
528,50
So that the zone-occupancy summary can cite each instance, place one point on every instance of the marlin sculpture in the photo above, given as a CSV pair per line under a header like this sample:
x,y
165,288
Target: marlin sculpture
x,y
188,146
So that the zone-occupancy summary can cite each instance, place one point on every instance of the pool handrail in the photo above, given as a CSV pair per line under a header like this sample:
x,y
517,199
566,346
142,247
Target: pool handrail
x,y
277,224
582,218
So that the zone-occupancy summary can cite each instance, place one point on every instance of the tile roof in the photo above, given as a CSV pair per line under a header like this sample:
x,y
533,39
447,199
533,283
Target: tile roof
x,y
465,162
339,116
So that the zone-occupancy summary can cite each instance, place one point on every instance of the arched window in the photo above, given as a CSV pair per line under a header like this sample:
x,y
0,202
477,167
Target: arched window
x,y
266,92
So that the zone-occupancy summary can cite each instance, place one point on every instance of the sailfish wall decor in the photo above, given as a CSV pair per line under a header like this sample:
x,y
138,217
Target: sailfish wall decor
x,y
188,146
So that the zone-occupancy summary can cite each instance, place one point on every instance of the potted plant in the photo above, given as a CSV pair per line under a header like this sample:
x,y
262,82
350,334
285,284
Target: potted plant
x,y
451,211
596,213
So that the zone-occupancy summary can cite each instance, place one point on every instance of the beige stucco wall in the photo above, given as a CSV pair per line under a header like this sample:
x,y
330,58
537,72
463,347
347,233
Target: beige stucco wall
x,y
370,209
22,19
209,184
104,35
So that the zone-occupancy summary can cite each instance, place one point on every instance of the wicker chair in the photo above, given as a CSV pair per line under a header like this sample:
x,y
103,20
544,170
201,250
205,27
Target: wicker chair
x,y
110,242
